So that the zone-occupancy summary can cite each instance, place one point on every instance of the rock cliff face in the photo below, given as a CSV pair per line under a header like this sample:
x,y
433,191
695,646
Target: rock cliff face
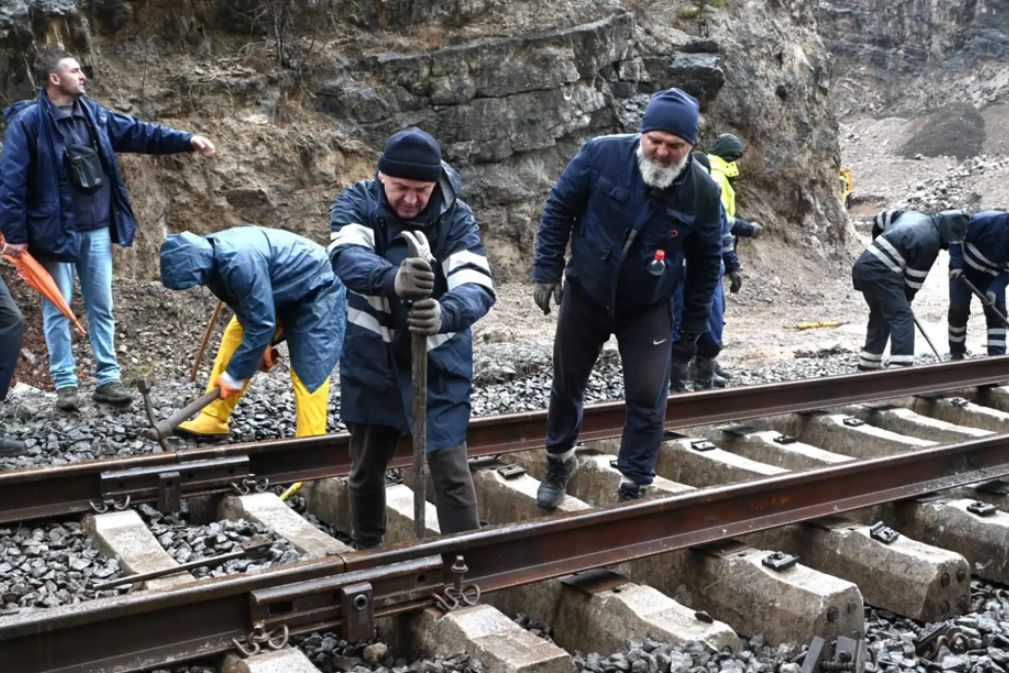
x,y
907,56
301,94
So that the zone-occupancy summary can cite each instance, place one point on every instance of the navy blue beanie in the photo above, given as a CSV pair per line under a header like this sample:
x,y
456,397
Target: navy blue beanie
x,y
411,154
673,111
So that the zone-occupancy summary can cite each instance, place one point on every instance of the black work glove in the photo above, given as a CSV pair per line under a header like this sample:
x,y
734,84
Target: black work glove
x,y
735,281
425,317
414,279
685,349
543,292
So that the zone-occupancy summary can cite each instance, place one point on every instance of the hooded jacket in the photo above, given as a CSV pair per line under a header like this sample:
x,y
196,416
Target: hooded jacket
x,y
366,250
984,252
270,278
909,246
36,195
616,223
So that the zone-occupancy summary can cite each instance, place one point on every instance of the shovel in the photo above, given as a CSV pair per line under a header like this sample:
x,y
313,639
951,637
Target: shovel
x,y
418,246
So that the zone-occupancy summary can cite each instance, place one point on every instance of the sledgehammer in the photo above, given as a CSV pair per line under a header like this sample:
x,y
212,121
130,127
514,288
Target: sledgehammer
x,y
160,431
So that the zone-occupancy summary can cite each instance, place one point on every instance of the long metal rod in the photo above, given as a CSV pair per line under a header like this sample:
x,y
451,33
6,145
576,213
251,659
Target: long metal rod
x,y
990,305
33,493
928,339
146,630
251,550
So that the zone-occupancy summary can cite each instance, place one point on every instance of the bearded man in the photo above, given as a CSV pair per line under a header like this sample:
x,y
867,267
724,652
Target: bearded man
x,y
634,207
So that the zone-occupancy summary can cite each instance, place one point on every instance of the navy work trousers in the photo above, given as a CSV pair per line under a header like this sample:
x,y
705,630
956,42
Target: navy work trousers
x,y
960,297
12,329
643,338
890,317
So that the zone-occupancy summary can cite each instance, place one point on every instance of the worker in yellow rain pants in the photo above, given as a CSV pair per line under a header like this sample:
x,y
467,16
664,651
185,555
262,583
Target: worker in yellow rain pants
x,y
272,280
310,407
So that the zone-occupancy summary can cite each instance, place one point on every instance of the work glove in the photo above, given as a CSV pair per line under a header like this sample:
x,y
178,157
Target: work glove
x,y
414,279
735,281
955,273
685,349
990,297
270,356
543,292
228,386
757,228
425,317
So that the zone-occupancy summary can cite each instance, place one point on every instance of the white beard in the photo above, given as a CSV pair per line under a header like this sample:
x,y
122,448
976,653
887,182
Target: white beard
x,y
658,175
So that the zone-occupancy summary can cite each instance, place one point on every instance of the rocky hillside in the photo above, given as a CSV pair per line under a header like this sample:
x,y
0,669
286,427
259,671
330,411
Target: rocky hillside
x,y
299,95
908,56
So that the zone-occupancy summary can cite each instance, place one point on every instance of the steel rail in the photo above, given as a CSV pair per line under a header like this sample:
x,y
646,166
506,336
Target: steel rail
x,y
34,493
151,629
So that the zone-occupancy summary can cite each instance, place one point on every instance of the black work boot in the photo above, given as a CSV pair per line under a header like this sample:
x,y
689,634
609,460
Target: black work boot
x,y
67,400
724,373
630,491
454,495
954,357
555,482
704,373
11,447
112,393
678,374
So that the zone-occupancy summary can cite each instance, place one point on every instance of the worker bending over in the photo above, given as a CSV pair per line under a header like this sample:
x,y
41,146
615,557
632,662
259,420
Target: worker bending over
x,y
281,287
890,272
981,260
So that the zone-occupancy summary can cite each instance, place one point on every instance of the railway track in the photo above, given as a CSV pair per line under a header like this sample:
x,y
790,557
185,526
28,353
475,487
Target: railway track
x,y
350,591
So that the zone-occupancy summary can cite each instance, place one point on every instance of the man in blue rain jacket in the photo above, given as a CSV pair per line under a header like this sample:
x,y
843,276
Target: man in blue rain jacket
x,y
281,287
391,295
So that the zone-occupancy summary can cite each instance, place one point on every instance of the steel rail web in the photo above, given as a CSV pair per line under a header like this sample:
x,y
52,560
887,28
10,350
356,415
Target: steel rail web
x,y
150,629
33,493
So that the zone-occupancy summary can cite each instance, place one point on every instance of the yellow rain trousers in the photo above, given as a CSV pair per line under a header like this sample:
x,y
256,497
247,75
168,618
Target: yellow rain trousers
x,y
310,407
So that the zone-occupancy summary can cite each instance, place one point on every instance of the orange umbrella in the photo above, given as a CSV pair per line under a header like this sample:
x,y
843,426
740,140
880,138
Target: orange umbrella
x,y
39,279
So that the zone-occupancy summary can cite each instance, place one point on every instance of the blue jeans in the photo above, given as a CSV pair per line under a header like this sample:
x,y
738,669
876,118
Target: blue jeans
x,y
94,269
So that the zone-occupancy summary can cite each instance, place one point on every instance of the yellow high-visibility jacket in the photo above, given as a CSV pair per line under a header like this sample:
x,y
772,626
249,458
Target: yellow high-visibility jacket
x,y
721,171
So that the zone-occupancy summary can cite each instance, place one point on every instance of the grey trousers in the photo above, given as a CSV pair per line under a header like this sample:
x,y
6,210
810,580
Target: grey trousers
x,y
371,449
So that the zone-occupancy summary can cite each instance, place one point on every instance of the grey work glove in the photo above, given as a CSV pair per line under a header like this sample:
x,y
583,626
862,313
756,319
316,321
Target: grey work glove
x,y
425,317
990,296
735,281
543,292
955,273
414,279
757,228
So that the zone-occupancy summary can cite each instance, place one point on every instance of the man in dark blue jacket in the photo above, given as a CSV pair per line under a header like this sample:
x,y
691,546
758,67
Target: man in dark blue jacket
x,y
982,259
63,199
892,270
416,195
634,207
280,286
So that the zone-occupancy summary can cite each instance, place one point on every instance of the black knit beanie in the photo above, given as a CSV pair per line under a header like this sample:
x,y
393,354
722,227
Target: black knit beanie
x,y
411,154
673,111
728,147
